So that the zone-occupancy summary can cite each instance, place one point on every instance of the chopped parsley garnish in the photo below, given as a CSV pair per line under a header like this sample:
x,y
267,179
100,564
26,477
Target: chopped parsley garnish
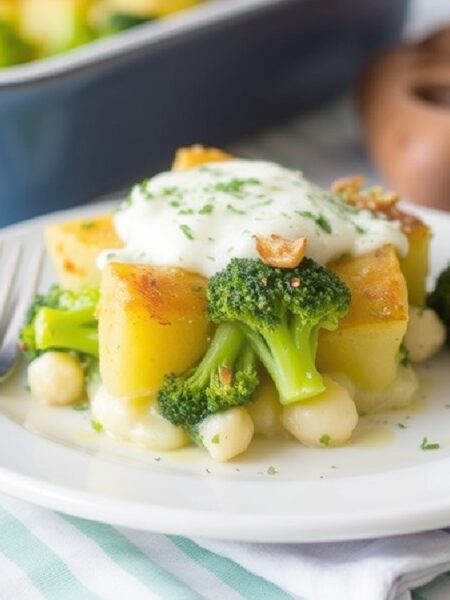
x,y
319,220
322,222
235,187
404,355
88,225
401,426
186,211
80,406
170,191
96,425
271,470
187,231
426,445
325,439
215,439
206,209
235,210
175,203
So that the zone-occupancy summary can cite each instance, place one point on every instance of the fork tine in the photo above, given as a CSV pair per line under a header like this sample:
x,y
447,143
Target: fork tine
x,y
9,349
7,276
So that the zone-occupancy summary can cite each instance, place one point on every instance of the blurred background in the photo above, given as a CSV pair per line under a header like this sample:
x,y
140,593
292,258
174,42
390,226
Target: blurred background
x,y
96,94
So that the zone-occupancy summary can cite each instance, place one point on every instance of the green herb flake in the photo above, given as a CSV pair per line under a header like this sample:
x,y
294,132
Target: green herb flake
x,y
187,231
401,426
324,224
404,355
235,187
81,406
325,440
86,225
215,439
170,191
426,445
175,203
236,211
206,209
319,220
186,211
271,470
96,426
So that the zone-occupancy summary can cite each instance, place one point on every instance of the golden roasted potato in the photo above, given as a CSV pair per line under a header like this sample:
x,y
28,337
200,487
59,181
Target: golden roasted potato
x,y
365,346
74,246
414,265
152,321
195,156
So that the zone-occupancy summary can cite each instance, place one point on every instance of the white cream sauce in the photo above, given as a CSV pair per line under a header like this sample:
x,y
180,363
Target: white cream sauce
x,y
199,219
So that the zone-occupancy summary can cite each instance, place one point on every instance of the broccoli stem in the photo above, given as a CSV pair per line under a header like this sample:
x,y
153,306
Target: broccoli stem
x,y
289,359
224,349
67,329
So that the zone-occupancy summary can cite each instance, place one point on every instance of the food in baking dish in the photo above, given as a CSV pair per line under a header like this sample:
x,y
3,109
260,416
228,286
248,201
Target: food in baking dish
x,y
231,297
32,29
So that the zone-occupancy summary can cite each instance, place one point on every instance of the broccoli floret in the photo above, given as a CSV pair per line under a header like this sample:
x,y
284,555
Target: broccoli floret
x,y
61,320
281,312
14,49
225,377
121,21
439,299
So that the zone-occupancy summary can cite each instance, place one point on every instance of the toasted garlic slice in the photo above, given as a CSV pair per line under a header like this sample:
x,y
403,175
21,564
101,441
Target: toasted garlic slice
x,y
347,185
276,251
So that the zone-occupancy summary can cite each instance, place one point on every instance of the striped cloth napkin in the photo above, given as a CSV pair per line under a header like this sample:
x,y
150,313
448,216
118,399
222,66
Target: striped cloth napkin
x,y
46,555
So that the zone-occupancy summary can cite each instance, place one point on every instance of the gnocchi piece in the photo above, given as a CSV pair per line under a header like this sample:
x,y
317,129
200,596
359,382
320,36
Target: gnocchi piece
x,y
328,419
56,378
265,410
136,420
397,395
425,334
227,434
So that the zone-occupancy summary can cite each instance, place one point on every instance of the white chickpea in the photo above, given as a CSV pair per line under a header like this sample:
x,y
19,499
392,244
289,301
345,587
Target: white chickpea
x,y
399,394
328,419
265,410
425,334
136,420
227,434
56,378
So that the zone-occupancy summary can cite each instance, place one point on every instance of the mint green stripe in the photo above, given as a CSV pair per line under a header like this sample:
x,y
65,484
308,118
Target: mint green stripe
x,y
130,558
245,583
47,572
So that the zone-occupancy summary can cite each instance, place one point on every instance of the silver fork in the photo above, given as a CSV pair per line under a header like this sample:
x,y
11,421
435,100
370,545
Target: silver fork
x,y
15,298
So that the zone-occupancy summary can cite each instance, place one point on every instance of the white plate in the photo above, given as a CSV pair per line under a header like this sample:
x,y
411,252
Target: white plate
x,y
381,484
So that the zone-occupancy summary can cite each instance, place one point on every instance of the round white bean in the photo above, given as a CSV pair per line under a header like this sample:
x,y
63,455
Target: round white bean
x,y
136,420
56,378
265,410
328,419
227,434
425,334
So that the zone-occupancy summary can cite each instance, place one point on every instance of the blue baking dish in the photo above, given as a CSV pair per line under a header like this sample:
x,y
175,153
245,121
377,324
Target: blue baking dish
x,y
96,119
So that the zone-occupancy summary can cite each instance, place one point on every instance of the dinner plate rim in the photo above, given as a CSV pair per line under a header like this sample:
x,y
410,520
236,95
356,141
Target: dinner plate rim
x,y
237,526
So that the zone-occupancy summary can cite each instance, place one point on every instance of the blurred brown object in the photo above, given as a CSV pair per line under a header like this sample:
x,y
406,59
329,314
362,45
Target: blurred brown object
x,y
404,99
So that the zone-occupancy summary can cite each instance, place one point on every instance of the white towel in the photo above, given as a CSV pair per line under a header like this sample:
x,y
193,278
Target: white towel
x,y
384,569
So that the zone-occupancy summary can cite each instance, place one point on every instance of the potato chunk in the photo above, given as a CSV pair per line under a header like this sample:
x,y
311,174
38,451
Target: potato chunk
x,y
414,265
195,156
366,344
74,246
152,321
